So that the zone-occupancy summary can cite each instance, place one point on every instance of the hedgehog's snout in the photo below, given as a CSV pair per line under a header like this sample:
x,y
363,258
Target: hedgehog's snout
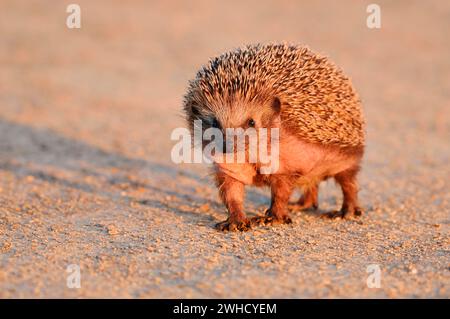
x,y
228,144
222,143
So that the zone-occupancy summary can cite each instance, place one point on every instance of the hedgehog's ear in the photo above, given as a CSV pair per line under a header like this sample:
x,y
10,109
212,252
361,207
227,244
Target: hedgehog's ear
x,y
276,108
276,105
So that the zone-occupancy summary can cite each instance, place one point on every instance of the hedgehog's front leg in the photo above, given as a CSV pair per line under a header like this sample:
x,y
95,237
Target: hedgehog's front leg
x,y
281,189
232,194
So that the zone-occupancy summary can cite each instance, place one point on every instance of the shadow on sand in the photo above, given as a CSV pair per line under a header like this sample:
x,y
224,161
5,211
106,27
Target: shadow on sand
x,y
38,152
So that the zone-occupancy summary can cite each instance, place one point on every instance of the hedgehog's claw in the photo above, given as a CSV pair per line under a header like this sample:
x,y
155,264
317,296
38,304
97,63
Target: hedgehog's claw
x,y
270,220
228,225
343,213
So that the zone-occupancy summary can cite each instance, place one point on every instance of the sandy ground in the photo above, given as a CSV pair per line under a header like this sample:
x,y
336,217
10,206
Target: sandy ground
x,y
86,176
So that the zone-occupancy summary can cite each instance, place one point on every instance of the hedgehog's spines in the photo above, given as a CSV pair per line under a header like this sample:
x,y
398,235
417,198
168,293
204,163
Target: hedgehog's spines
x,y
321,105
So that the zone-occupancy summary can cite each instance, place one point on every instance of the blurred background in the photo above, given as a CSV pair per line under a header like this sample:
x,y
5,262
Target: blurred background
x,y
86,176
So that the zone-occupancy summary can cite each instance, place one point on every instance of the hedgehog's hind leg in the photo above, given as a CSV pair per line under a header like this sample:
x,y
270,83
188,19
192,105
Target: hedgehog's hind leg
x,y
350,207
309,199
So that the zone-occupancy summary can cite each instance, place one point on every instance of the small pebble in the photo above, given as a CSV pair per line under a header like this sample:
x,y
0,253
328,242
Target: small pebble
x,y
112,230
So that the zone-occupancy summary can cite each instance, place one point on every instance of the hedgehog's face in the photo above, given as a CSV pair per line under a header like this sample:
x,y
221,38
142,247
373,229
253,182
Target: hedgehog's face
x,y
255,115
238,117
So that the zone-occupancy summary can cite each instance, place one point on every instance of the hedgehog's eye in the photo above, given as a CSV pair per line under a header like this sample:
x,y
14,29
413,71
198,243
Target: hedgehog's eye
x,y
195,111
215,123
251,123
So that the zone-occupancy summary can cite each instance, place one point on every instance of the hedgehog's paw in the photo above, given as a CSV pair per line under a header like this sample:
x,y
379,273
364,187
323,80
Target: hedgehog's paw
x,y
283,220
260,220
344,213
227,225
269,219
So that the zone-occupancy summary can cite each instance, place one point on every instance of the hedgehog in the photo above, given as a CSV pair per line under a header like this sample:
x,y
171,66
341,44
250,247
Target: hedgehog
x,y
314,106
